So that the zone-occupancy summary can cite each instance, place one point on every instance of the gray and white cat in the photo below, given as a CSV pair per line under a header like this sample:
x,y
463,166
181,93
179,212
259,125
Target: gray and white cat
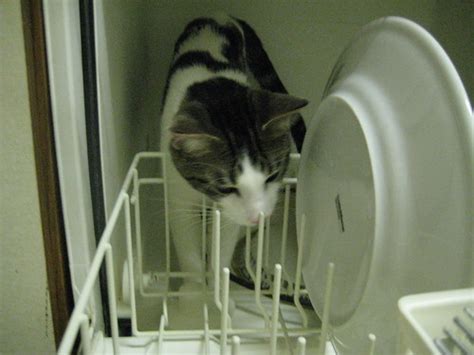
x,y
227,122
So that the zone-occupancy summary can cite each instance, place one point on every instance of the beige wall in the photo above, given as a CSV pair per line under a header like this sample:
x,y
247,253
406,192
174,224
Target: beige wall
x,y
453,29
25,314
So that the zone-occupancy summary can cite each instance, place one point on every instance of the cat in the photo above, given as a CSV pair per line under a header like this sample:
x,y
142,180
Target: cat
x,y
227,124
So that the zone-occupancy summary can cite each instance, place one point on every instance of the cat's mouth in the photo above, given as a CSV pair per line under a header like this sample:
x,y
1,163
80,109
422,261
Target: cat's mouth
x,y
244,221
253,221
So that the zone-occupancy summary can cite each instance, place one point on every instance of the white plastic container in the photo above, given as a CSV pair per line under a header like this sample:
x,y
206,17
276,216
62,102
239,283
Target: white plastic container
x,y
427,320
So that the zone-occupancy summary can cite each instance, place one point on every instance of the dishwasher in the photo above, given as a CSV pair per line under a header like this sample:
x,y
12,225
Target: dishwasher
x,y
377,207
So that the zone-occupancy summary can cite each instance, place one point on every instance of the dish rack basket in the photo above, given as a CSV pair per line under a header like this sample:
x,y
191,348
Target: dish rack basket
x,y
273,334
438,322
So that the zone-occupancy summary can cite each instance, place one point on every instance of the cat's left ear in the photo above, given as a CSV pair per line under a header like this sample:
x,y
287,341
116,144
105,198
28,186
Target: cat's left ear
x,y
196,144
187,133
277,111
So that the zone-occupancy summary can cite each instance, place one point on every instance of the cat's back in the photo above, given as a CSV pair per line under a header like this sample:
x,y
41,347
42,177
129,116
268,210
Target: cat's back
x,y
216,40
208,47
215,44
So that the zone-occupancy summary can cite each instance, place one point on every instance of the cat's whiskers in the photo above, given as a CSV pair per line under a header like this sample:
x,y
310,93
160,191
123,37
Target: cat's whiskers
x,y
278,161
183,203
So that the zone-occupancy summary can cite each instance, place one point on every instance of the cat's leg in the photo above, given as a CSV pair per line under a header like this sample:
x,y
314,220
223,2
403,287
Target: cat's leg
x,y
185,222
186,235
186,232
230,235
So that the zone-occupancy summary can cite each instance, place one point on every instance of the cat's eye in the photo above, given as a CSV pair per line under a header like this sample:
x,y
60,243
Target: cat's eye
x,y
227,190
272,177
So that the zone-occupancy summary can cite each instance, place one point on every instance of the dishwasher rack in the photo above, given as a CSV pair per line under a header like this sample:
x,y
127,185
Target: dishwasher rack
x,y
273,334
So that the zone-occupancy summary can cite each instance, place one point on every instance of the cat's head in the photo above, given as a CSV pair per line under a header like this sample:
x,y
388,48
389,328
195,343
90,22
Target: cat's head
x,y
232,143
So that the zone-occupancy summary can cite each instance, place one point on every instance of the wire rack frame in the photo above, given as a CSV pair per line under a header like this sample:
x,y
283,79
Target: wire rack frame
x,y
229,337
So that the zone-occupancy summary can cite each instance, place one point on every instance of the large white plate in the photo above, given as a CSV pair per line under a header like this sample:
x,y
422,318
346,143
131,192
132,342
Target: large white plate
x,y
385,182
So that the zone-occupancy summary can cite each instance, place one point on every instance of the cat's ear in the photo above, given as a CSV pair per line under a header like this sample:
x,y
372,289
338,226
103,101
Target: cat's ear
x,y
188,136
195,144
277,111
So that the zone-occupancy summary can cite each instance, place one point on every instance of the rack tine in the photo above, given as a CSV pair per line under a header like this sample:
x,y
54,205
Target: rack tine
x,y
203,239
165,310
326,309
135,201
275,308
167,219
301,346
284,237
299,261
128,235
86,341
161,334
372,339
284,228
235,345
206,330
109,263
267,242
247,254
225,308
216,259
258,275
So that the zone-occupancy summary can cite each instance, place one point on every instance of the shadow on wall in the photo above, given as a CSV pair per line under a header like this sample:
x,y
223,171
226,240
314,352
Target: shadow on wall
x,y
453,29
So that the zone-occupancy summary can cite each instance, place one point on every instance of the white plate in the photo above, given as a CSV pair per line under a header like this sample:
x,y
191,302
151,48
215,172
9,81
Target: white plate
x,y
385,182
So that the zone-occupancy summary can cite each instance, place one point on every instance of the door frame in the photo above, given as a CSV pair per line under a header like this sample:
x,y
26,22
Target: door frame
x,y
58,277
54,58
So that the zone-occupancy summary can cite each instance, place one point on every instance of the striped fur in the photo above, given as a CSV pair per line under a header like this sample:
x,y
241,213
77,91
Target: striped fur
x,y
226,124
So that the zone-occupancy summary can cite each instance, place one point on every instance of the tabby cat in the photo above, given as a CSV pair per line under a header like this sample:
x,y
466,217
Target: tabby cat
x,y
227,123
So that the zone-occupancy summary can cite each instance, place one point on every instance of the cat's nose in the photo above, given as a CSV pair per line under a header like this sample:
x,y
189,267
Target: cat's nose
x,y
253,220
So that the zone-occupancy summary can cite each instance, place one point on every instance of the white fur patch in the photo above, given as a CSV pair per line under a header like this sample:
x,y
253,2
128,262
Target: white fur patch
x,y
205,40
255,196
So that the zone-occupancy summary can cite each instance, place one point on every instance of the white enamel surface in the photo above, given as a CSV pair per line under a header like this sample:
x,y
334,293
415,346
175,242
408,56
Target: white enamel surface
x,y
405,199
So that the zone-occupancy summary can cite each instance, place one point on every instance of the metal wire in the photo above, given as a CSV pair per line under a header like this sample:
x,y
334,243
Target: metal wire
x,y
275,326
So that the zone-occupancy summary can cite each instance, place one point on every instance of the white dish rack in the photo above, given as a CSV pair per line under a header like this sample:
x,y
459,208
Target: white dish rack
x,y
261,322
438,322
